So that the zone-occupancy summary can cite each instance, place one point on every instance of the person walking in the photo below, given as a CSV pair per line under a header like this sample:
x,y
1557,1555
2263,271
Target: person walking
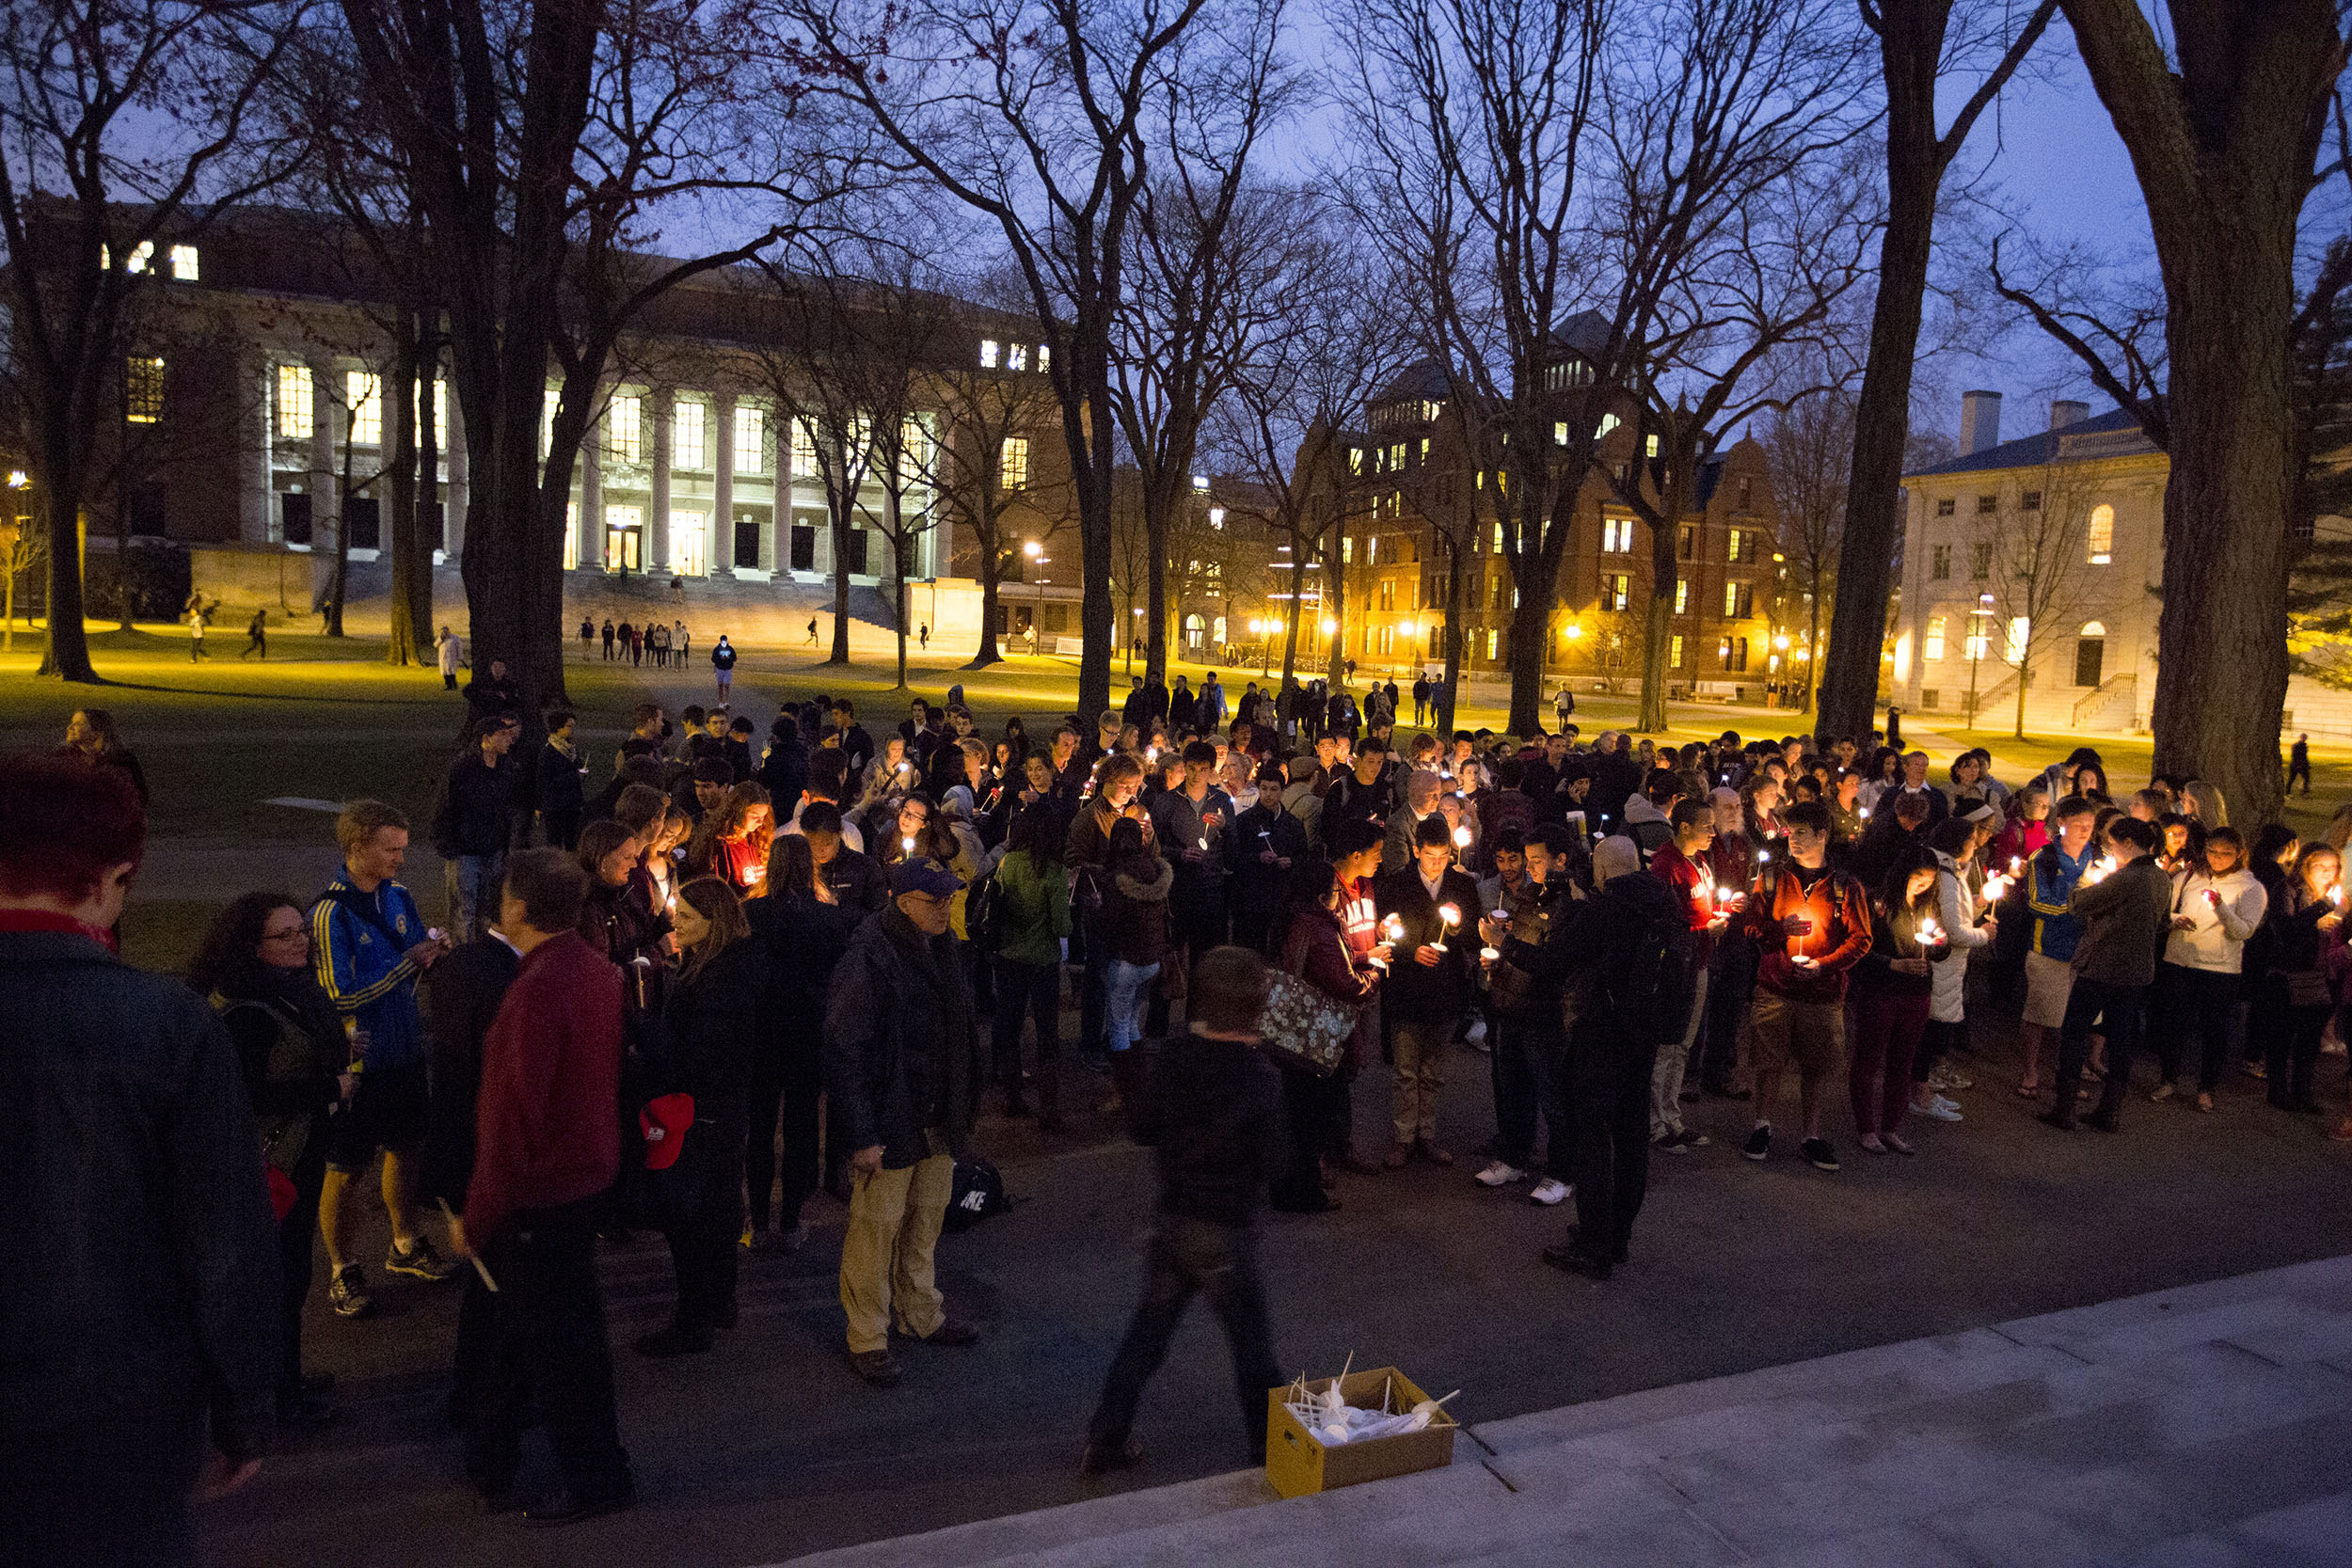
x,y
1431,909
473,823
195,630
903,1071
1138,944
257,636
1812,924
2125,915
253,965
2218,905
923,637
709,1027
607,639
587,637
1213,1116
722,665
2300,765
370,945
548,1146
1893,991
1034,921
448,653
680,643
140,1346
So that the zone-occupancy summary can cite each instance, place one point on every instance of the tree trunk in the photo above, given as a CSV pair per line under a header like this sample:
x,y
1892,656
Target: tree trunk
x,y
841,503
403,646
1881,424
986,653
340,578
899,583
1155,509
1452,641
1335,576
2024,668
1298,594
59,489
1658,617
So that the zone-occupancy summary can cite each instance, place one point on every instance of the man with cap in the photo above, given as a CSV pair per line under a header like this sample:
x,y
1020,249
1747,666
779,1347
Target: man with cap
x,y
902,1070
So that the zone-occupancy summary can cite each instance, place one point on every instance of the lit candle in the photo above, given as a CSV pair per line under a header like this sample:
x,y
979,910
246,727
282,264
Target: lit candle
x,y
1448,916
1461,838
906,845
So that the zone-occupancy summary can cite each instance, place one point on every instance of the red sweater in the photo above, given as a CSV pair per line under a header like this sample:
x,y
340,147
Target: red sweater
x,y
546,1127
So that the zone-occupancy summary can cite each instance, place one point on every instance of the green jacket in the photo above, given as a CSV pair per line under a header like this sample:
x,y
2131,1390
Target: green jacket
x,y
1037,905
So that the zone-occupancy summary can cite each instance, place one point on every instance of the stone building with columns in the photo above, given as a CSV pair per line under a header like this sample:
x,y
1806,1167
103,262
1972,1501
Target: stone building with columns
x,y
256,429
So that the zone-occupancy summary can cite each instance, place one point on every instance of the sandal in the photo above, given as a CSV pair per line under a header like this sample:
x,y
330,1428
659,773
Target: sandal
x,y
1898,1145
1871,1142
2028,1089
2204,1103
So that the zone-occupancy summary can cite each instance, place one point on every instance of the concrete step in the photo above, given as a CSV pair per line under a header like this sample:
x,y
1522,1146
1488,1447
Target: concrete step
x,y
2211,1423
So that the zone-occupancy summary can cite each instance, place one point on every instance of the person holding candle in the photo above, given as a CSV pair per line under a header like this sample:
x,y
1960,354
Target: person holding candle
x,y
2218,904
2051,876
1812,924
1528,900
2306,956
1893,992
2125,915
1429,983
1967,927
1682,865
1270,844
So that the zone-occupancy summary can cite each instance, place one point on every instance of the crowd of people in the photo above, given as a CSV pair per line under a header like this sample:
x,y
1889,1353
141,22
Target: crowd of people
x,y
755,967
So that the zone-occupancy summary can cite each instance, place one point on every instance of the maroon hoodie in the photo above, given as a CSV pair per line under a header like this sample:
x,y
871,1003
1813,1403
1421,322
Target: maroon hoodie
x,y
545,1126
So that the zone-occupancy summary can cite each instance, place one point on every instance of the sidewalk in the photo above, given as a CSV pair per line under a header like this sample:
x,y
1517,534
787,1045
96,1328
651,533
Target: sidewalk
x,y
2209,1425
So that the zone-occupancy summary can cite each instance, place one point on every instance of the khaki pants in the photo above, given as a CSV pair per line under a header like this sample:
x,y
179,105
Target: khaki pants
x,y
886,1256
1419,1073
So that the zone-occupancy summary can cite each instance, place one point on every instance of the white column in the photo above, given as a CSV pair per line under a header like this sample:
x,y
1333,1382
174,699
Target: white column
x,y
326,430
658,526
592,496
456,490
719,552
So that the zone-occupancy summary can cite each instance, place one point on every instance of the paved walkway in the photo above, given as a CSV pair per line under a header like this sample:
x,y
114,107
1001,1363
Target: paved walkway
x,y
2209,1425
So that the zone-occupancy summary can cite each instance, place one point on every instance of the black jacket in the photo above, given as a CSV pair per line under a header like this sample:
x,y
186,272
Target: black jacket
x,y
1135,909
460,996
1214,1110
476,810
901,1053
137,1243
560,785
805,940
709,1031
1349,796
1415,991
1257,885
292,1047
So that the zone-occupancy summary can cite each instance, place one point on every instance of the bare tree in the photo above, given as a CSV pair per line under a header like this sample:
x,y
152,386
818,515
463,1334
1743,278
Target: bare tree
x,y
1922,45
979,489
2224,121
2037,540
1033,114
124,126
1809,451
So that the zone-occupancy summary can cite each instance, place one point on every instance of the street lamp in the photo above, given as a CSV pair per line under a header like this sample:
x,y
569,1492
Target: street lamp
x,y
1979,624
1036,552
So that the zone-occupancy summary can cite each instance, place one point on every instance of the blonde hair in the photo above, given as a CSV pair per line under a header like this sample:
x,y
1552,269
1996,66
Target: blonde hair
x,y
360,821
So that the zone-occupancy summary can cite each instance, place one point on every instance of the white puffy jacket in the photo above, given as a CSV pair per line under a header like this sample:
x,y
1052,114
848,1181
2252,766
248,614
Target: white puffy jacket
x,y
1956,908
2218,942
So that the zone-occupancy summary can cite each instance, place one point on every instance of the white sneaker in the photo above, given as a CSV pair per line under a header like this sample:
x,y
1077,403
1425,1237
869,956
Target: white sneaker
x,y
1550,1192
1940,1109
1498,1174
1476,1033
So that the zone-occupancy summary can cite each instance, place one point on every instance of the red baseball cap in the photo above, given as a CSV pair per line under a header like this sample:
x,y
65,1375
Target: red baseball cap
x,y
664,1121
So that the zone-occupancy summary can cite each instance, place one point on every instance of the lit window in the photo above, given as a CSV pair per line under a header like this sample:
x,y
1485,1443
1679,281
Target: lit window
x,y
1722,652
1615,590
1016,356
1372,549
990,350
1731,599
1559,433
686,542
687,445
547,429
184,262
1044,357
143,389
1733,554
1013,462
1201,484
1673,653
2020,633
1347,549
1498,539
804,450
623,430
141,254
1616,534
1649,448
2102,535
1932,649
1397,456
1682,596
294,401
751,439
365,396
1494,642
1975,644
1354,460
1424,448
1608,423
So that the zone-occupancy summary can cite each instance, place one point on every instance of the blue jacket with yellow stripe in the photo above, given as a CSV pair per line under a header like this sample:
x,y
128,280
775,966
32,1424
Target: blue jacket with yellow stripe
x,y
364,968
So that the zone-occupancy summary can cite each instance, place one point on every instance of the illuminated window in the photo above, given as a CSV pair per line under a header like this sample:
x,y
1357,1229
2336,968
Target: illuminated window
x,y
1396,455
804,450
990,351
1673,653
1044,357
1016,356
1616,534
1733,553
294,401
623,429
2014,646
1608,423
1739,600
1013,462
365,396
751,439
1424,448
688,448
1347,549
1932,649
686,543
1615,592
1682,595
1201,484
1388,592
141,254
1559,433
2101,534
184,262
143,389
1975,644
1354,460
1649,448
1494,642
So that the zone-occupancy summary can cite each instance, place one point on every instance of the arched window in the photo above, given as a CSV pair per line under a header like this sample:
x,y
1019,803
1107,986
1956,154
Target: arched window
x,y
1196,631
1216,631
2092,628
2100,535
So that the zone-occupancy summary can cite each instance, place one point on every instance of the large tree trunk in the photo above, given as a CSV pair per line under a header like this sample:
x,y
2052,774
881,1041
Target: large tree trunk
x,y
1094,535
1453,643
1881,424
987,654
58,494
840,519
401,480
1658,617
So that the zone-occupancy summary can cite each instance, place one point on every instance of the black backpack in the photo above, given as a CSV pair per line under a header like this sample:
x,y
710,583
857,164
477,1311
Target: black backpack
x,y
987,912
1644,980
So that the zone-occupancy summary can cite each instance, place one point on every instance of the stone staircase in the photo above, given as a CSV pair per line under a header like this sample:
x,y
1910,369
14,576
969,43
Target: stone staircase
x,y
2208,1425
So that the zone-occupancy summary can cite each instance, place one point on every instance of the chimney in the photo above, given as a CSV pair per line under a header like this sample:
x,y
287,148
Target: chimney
x,y
2066,411
1979,422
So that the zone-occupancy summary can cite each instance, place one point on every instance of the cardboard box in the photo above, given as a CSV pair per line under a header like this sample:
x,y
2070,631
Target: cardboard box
x,y
1298,1462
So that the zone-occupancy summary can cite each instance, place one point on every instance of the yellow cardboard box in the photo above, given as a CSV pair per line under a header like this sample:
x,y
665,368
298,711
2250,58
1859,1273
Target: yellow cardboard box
x,y
1298,1462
